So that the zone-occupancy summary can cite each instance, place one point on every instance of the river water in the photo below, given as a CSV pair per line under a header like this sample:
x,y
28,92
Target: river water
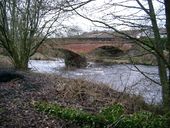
x,y
124,77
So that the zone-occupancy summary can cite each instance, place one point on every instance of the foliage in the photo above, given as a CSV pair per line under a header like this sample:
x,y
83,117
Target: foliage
x,y
144,120
73,115
112,116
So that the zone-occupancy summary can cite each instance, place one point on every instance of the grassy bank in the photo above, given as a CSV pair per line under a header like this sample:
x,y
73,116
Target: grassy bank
x,y
43,100
18,98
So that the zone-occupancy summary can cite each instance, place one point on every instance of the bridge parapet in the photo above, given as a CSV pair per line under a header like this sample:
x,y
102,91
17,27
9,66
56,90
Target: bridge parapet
x,y
61,41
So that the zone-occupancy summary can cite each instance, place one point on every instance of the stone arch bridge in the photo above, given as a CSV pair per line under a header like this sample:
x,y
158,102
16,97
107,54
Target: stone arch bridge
x,y
73,48
86,45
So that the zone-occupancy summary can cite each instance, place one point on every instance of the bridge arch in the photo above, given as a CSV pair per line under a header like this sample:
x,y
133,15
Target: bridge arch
x,y
107,50
86,48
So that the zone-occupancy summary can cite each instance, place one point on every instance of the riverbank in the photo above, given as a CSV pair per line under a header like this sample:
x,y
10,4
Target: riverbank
x,y
102,59
17,98
146,59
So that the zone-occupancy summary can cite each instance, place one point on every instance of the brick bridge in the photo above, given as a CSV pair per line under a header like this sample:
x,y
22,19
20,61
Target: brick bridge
x,y
73,48
87,45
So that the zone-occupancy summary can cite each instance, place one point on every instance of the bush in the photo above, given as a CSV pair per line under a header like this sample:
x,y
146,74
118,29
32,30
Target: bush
x,y
144,120
112,116
74,115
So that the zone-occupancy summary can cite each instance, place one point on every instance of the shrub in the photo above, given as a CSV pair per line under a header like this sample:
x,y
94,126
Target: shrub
x,y
144,120
112,116
74,115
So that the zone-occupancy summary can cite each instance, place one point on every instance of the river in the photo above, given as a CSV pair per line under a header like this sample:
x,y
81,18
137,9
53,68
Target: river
x,y
124,77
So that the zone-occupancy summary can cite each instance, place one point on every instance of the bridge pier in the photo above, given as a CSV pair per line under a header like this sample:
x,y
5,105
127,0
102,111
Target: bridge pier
x,y
73,60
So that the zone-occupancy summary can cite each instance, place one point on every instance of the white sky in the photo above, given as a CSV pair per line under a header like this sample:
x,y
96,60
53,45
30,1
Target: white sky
x,y
101,10
96,10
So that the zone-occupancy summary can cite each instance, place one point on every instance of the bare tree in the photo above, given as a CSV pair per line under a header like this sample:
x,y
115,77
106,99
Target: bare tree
x,y
20,28
74,31
144,16
25,24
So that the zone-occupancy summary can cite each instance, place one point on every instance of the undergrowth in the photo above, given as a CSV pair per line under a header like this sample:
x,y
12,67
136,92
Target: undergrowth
x,y
108,117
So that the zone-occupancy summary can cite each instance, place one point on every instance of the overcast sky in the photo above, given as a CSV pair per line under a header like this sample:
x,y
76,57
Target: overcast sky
x,y
100,9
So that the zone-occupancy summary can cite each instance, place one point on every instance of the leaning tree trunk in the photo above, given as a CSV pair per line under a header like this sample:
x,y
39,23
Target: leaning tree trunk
x,y
167,13
165,84
162,67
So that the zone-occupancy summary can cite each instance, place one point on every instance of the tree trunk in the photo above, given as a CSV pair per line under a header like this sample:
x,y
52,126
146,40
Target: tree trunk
x,y
161,65
167,13
21,65
20,61
165,84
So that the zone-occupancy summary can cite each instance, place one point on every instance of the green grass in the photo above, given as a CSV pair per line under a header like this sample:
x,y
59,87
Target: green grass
x,y
111,116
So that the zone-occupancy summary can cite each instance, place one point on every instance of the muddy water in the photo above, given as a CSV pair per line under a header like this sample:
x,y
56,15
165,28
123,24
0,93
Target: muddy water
x,y
119,77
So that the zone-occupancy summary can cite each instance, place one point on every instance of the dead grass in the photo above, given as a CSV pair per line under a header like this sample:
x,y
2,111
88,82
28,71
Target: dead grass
x,y
16,98
88,95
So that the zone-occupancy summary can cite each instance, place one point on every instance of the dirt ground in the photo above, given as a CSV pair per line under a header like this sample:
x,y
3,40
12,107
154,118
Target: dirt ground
x,y
17,97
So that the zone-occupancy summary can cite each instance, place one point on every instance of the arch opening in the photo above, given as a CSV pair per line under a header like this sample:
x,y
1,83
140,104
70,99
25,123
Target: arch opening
x,y
108,51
